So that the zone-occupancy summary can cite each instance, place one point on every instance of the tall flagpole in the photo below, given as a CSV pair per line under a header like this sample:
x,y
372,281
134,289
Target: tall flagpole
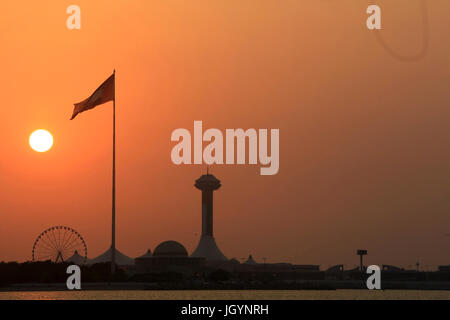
x,y
113,233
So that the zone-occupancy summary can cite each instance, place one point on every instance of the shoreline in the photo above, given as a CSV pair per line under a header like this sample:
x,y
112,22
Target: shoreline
x,y
321,285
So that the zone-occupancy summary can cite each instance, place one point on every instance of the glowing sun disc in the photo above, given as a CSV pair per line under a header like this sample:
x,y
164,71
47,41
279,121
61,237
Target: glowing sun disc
x,y
41,140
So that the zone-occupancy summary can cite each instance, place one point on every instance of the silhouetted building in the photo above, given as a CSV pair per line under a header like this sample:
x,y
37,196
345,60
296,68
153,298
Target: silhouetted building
x,y
336,268
168,256
288,269
207,247
444,268
250,260
121,259
77,259
389,268
148,254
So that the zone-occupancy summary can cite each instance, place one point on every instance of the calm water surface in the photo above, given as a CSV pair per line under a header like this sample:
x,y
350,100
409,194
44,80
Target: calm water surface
x,y
229,295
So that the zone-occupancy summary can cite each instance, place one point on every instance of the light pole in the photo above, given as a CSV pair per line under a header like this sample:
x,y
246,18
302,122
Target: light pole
x,y
361,253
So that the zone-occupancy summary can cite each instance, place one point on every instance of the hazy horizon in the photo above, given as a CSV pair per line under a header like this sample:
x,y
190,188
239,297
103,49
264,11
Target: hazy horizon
x,y
364,156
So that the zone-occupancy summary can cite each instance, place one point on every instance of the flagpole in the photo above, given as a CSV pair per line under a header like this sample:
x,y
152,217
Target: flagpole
x,y
113,233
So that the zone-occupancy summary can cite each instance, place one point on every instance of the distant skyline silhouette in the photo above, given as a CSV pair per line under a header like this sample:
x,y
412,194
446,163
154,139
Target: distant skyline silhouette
x,y
364,163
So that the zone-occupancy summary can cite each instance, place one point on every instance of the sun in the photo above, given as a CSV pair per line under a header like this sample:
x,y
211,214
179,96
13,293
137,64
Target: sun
x,y
41,140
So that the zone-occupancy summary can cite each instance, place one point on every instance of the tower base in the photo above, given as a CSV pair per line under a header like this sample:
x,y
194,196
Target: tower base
x,y
207,248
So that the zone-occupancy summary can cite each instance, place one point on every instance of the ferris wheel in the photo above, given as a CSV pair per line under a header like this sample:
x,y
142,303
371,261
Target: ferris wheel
x,y
59,244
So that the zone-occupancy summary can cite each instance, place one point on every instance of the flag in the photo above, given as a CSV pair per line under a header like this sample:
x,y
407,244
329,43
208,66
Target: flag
x,y
103,94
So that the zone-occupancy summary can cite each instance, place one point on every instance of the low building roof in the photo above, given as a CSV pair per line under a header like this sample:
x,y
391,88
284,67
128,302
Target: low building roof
x,y
121,259
148,254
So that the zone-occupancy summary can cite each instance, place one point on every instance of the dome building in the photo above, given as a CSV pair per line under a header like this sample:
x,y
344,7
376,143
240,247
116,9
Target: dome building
x,y
170,249
168,256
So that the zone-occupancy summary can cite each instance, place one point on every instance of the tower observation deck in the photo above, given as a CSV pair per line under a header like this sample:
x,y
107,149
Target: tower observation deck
x,y
207,247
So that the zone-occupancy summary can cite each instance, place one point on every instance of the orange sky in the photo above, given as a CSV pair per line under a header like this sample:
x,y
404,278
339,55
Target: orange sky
x,y
364,138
